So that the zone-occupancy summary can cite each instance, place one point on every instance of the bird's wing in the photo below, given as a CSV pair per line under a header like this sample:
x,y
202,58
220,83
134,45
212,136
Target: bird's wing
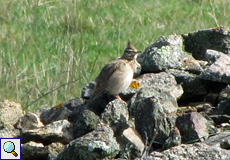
x,y
103,78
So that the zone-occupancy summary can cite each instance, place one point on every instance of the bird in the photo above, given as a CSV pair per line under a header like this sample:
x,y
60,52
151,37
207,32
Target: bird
x,y
116,76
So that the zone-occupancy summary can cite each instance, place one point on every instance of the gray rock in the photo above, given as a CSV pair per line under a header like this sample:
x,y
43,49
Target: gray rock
x,y
224,107
217,139
154,109
131,144
37,151
218,118
73,103
199,151
98,144
194,127
54,114
116,115
165,53
9,133
219,71
82,121
10,112
163,80
188,81
211,55
33,150
29,121
215,38
57,131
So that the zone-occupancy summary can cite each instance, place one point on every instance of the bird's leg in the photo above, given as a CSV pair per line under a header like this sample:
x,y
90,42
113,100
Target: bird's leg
x,y
118,97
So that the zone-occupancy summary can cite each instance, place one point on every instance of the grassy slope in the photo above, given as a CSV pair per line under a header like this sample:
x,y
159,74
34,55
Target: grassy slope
x,y
44,44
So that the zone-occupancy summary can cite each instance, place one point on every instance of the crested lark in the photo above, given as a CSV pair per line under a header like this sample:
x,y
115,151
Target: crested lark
x,y
117,75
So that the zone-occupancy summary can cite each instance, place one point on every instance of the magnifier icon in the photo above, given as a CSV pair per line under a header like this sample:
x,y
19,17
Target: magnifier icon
x,y
9,147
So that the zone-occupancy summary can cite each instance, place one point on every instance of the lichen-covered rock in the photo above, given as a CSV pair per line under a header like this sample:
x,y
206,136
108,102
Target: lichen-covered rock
x,y
116,115
165,53
215,38
82,121
98,144
131,144
10,112
199,151
154,109
9,133
163,80
29,121
57,131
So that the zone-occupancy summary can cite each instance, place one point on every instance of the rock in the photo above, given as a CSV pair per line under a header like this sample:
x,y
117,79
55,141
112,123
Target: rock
x,y
82,121
211,55
10,112
29,121
217,139
224,107
188,81
33,150
225,144
198,93
37,151
54,114
9,133
219,71
218,119
173,140
224,94
54,149
57,131
98,144
215,38
194,127
131,144
163,80
73,103
165,53
116,115
191,151
154,109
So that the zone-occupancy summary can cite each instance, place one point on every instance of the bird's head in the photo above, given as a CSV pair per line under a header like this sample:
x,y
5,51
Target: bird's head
x,y
130,52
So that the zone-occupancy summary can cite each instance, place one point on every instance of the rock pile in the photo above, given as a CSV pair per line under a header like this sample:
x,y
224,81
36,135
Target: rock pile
x,y
180,109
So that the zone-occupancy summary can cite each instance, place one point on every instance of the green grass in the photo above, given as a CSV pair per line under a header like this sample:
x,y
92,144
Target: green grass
x,y
45,44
